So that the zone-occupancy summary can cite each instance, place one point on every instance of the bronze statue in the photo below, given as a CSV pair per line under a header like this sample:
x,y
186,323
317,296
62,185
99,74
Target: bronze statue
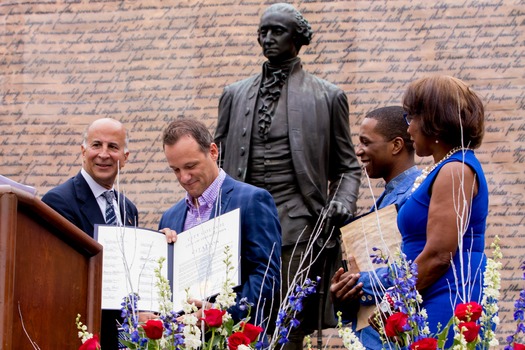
x,y
287,131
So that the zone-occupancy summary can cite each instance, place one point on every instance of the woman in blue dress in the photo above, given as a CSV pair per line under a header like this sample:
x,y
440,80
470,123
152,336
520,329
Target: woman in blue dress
x,y
443,223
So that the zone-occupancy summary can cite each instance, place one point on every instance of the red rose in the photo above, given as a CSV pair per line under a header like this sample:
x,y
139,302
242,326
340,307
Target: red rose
x,y
213,317
236,339
471,332
424,344
395,324
469,312
518,346
251,331
91,344
153,329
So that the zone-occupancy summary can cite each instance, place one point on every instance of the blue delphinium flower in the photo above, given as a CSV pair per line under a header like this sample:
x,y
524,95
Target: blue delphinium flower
x,y
170,323
131,320
378,258
286,321
129,311
244,304
404,294
143,342
178,340
519,317
135,337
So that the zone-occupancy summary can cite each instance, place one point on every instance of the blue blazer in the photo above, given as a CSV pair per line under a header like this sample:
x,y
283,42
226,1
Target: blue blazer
x,y
75,201
260,234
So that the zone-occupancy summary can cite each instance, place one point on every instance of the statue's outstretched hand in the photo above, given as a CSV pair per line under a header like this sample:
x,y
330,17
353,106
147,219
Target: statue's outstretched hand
x,y
337,213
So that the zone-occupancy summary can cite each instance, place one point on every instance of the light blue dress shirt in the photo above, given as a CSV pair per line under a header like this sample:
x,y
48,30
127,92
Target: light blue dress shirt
x,y
396,192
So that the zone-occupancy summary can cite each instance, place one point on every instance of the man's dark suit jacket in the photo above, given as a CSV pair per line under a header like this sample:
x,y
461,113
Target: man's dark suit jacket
x,y
260,241
75,201
323,156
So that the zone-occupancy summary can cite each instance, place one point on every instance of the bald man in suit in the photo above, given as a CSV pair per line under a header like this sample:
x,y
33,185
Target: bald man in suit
x,y
82,199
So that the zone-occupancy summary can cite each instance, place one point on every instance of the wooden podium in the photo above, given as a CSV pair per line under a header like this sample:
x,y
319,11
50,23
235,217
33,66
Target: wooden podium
x,y
50,271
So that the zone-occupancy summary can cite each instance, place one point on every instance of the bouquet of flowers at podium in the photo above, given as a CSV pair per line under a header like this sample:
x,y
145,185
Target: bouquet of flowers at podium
x,y
213,328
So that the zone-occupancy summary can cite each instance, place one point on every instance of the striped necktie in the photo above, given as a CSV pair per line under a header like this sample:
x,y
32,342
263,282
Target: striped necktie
x,y
111,217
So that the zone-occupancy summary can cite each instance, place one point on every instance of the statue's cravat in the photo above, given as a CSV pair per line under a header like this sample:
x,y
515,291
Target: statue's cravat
x,y
273,80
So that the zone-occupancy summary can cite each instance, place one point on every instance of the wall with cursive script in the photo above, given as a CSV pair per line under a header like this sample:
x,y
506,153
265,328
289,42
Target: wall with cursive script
x,y
145,62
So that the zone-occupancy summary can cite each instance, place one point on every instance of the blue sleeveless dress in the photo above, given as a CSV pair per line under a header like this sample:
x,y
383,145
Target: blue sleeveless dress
x,y
412,222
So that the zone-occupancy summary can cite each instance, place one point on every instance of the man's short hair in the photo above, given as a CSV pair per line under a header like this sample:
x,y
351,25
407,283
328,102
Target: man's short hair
x,y
187,127
392,124
303,29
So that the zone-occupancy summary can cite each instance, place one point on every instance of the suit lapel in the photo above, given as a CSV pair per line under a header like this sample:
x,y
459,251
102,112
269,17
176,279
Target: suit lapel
x,y
251,104
180,219
224,195
125,209
87,201
295,104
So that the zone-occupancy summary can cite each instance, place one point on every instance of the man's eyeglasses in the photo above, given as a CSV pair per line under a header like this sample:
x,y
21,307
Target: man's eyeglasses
x,y
408,118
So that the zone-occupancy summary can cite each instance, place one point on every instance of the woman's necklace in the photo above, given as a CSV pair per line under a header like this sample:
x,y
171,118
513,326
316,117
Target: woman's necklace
x,y
430,168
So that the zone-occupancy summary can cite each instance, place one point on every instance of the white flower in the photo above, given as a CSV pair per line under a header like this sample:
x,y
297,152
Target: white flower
x,y
226,317
192,337
495,320
491,294
187,307
164,343
494,341
243,347
419,298
226,298
223,331
189,319
83,334
350,340
423,313
85,337
458,336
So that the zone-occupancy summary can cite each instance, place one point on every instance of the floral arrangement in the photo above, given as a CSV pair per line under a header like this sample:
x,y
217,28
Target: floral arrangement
x,y
472,324
402,321
215,329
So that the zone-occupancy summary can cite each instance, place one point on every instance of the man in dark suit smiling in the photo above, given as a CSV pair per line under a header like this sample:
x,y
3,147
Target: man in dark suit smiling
x,y
89,197
82,199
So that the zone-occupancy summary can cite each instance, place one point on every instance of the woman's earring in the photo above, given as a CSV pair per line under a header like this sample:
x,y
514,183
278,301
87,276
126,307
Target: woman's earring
x,y
437,141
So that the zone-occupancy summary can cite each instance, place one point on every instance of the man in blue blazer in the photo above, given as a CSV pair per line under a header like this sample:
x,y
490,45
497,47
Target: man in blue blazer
x,y
82,200
192,155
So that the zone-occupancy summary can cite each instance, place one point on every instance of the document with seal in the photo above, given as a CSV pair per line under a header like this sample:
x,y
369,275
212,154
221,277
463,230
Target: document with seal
x,y
194,265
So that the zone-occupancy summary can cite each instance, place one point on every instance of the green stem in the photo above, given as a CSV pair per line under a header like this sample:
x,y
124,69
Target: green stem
x,y
210,344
